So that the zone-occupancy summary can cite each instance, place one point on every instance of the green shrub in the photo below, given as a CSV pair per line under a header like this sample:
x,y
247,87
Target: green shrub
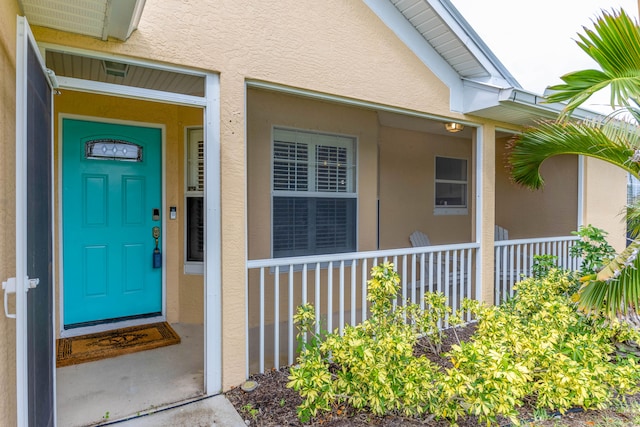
x,y
542,264
372,364
592,248
536,348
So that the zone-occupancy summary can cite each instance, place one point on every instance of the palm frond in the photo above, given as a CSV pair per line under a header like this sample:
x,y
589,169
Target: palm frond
x,y
616,288
530,149
614,44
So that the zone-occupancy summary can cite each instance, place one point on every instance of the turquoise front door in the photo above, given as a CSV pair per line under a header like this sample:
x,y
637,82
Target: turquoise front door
x,y
111,202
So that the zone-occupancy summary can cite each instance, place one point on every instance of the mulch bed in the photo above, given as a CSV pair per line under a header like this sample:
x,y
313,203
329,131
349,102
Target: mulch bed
x,y
272,404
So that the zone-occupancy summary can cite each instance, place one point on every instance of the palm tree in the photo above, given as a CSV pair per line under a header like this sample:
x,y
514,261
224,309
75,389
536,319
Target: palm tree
x,y
614,44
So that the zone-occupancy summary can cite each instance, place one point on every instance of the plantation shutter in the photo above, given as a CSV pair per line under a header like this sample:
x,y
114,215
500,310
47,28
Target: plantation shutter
x,y
195,162
309,169
195,196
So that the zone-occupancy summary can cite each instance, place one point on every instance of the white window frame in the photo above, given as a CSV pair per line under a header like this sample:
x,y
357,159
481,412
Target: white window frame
x,y
345,141
191,135
455,209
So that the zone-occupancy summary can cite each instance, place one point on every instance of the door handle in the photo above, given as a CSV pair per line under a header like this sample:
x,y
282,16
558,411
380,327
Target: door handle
x,y
9,287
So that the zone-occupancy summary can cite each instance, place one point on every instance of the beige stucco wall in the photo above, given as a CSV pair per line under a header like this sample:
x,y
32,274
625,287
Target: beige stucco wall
x,y
7,201
407,189
604,202
184,294
551,211
266,110
331,47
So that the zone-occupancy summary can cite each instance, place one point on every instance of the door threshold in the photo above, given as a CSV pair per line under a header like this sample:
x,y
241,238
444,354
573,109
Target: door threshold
x,y
161,409
85,330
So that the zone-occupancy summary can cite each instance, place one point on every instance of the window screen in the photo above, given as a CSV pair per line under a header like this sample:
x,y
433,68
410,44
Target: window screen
x,y
451,183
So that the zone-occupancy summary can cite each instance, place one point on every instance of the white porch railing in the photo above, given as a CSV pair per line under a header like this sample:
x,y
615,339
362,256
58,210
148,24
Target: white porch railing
x,y
336,285
514,260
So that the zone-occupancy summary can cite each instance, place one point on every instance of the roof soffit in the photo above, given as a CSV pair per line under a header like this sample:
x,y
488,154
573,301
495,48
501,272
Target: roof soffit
x,y
440,26
95,18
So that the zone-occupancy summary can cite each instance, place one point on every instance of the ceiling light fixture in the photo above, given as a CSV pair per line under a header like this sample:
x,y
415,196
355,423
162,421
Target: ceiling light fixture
x,y
453,127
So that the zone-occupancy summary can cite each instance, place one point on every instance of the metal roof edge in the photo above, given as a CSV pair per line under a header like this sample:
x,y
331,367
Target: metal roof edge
x,y
535,101
515,105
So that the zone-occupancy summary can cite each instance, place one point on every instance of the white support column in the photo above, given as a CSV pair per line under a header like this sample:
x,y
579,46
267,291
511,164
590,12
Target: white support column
x,y
213,241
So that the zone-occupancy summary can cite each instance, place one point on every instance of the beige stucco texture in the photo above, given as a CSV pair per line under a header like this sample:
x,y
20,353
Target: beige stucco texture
x,y
266,110
407,188
331,47
602,199
551,211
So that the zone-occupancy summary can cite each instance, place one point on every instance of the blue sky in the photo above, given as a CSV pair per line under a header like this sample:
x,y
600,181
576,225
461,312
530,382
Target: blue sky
x,y
535,40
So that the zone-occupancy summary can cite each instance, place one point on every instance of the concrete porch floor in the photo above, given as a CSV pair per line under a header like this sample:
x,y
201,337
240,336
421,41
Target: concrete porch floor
x,y
137,384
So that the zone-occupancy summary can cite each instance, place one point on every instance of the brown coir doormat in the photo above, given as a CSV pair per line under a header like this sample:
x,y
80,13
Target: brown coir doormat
x,y
87,348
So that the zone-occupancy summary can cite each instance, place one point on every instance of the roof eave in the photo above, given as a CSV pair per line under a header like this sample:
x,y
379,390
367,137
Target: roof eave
x,y
102,19
514,105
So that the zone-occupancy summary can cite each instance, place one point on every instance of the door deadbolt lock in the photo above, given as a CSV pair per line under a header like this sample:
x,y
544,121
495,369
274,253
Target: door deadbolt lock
x,y
157,256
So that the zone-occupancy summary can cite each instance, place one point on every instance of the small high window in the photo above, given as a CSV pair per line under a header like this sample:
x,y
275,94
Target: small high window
x,y
451,186
112,149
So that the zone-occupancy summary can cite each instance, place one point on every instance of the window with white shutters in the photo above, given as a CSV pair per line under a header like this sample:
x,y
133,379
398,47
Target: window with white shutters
x,y
314,196
195,196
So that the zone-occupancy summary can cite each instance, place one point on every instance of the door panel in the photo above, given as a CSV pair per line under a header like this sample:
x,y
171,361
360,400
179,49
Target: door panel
x,y
34,259
108,205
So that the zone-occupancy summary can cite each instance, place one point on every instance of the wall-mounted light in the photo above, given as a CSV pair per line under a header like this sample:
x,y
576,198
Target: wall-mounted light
x,y
453,127
116,69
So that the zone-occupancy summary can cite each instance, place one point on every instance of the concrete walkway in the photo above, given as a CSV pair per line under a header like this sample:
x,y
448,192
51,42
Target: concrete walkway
x,y
209,412
148,388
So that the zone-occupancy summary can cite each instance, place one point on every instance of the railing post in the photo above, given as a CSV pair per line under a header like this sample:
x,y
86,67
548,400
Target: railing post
x,y
291,341
330,297
276,317
316,303
261,326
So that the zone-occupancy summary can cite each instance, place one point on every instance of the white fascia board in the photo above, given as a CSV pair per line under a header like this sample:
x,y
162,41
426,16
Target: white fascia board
x,y
538,102
408,34
122,19
479,96
130,91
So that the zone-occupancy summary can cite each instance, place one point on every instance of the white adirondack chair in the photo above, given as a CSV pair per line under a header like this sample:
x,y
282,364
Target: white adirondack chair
x,y
501,233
